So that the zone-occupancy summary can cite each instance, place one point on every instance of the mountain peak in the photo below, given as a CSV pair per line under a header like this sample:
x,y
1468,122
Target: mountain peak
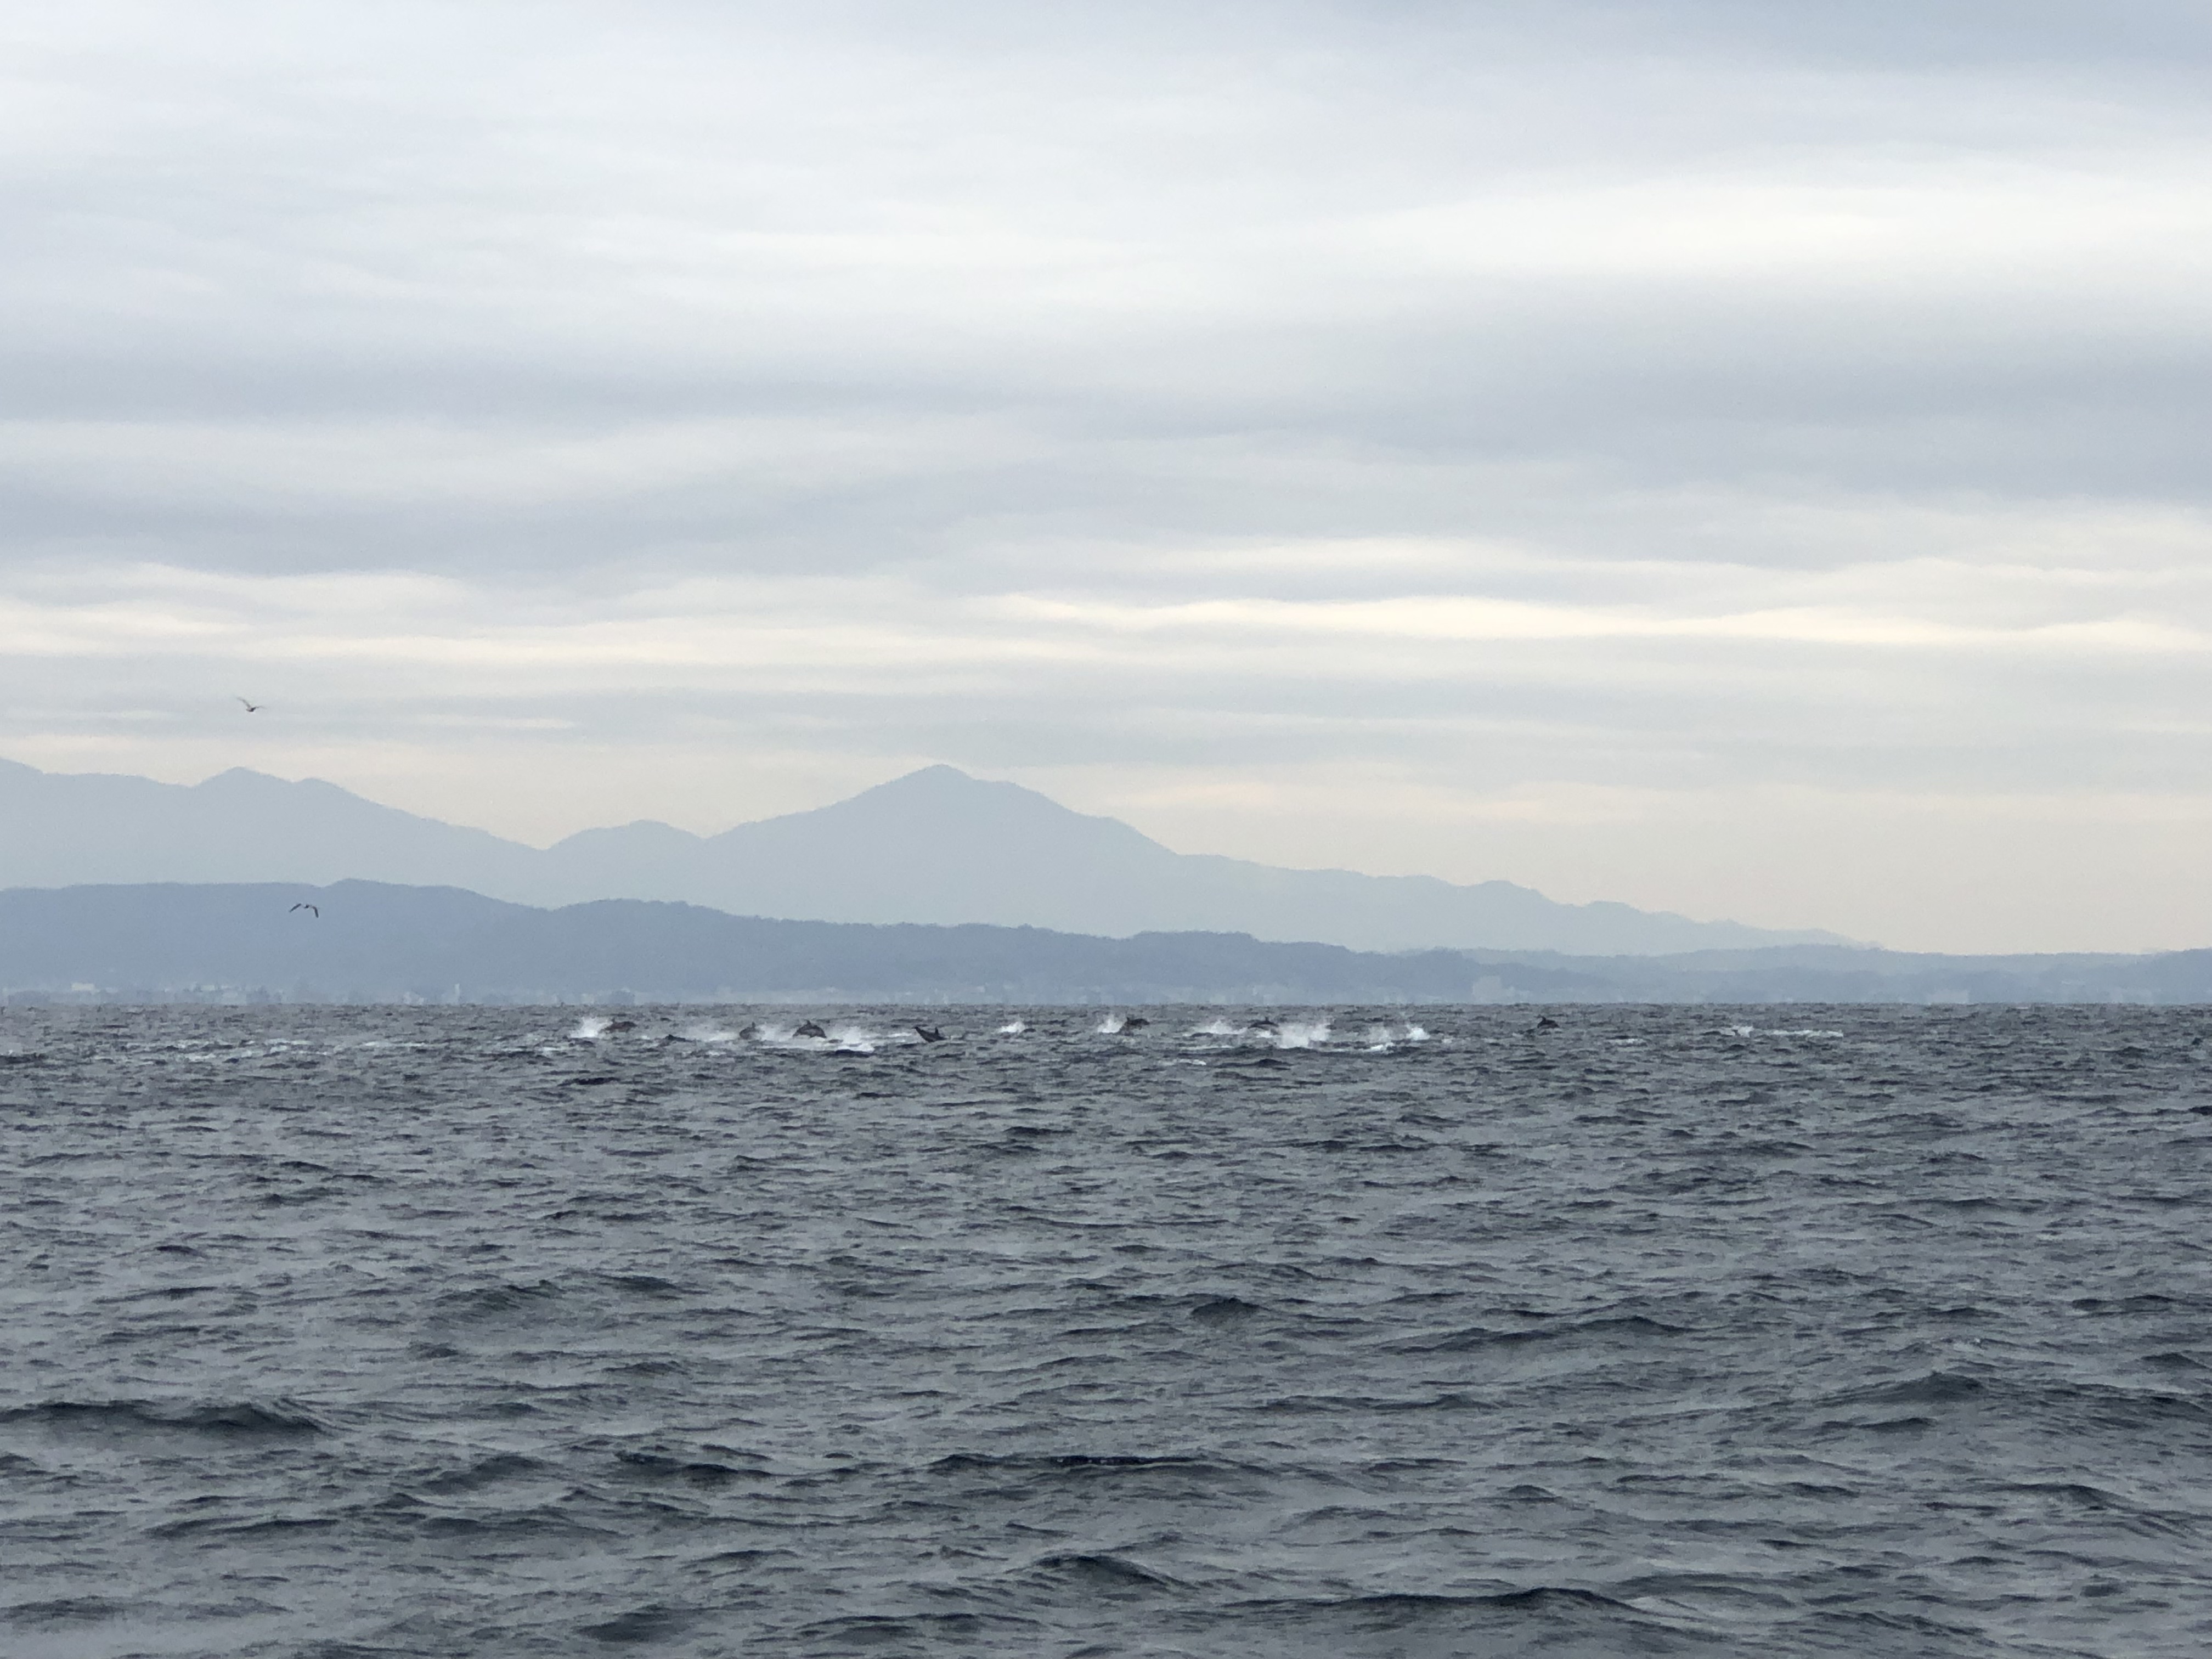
x,y
942,814
985,812
934,845
944,780
942,783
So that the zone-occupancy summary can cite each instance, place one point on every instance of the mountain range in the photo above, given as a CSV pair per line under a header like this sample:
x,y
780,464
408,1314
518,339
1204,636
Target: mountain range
x,y
934,847
369,942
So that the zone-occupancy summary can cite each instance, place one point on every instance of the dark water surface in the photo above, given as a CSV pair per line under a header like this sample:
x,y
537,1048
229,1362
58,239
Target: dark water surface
x,y
354,1332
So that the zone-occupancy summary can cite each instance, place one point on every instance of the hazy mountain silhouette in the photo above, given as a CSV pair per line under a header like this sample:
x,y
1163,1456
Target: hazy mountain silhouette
x,y
61,828
935,845
375,941
369,941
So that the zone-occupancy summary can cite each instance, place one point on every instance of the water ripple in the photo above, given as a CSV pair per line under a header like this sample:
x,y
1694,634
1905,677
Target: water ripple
x,y
342,1333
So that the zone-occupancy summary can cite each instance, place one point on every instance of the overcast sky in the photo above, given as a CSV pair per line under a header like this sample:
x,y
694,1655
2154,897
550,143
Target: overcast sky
x,y
1742,459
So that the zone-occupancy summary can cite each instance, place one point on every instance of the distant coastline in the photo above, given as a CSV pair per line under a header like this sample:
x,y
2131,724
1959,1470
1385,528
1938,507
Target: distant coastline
x,y
370,942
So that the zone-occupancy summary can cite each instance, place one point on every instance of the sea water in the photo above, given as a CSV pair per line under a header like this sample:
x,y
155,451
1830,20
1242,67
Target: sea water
x,y
349,1332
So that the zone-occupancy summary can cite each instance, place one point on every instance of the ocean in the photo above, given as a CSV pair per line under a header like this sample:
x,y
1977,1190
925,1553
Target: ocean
x,y
347,1332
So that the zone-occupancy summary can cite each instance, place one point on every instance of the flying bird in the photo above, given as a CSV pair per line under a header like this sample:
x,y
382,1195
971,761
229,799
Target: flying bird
x,y
312,909
251,708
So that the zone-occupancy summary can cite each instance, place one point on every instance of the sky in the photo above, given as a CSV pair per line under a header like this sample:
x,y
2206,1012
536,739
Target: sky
x,y
1741,460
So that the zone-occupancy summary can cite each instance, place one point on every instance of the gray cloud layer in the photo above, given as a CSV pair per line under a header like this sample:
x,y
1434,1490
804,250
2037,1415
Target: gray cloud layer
x,y
1738,459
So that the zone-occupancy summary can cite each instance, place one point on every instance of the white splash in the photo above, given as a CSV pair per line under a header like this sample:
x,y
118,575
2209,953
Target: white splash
x,y
1013,1028
822,1040
1382,1039
1302,1034
590,1029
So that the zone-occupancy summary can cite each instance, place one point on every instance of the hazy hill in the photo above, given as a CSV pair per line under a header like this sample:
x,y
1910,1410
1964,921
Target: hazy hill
x,y
61,828
373,941
939,845
936,846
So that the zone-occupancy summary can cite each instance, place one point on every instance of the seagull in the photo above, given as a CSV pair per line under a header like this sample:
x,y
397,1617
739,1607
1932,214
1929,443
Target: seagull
x,y
303,905
251,708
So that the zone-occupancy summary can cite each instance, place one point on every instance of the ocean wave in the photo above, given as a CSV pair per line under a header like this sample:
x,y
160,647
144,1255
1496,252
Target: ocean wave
x,y
1100,1570
274,1419
693,1471
1628,1340
654,1623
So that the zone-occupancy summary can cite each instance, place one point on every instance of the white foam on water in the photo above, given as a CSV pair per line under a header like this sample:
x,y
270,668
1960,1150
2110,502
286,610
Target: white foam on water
x,y
1302,1034
1381,1039
1012,1028
1110,1026
1216,1027
590,1027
